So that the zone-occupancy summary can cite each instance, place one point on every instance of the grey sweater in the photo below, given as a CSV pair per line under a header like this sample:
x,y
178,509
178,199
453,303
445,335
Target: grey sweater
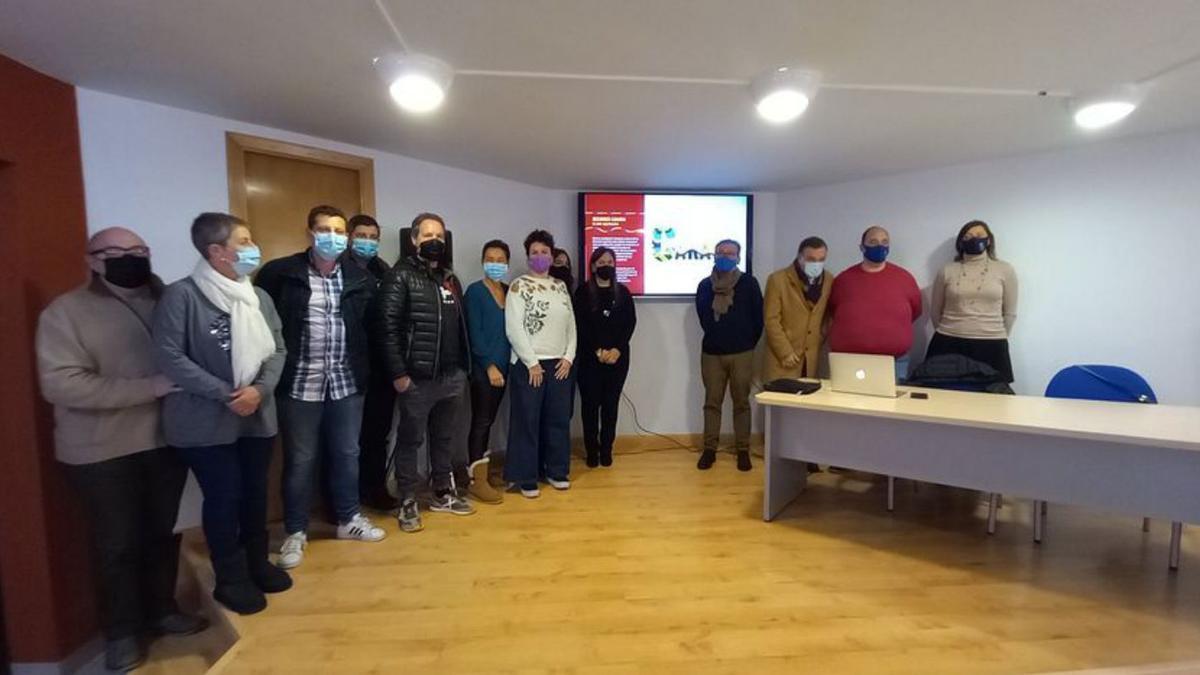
x,y
96,365
192,348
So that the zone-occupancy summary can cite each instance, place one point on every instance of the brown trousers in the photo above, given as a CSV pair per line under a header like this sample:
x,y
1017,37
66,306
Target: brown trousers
x,y
732,371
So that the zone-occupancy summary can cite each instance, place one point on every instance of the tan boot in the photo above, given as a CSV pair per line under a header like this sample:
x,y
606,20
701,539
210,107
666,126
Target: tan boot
x,y
480,489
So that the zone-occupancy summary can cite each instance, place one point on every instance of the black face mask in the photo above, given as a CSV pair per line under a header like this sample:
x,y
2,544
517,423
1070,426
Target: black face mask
x,y
432,249
975,246
128,271
606,272
562,273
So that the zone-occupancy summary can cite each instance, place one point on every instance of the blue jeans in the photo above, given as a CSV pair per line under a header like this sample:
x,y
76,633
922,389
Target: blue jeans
x,y
539,429
305,424
233,480
902,364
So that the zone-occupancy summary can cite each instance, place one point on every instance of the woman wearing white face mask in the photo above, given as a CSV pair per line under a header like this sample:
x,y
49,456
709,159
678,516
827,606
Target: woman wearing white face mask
x,y
219,340
974,302
794,309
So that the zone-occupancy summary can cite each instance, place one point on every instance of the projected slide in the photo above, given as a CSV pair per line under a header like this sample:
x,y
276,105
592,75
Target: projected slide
x,y
663,242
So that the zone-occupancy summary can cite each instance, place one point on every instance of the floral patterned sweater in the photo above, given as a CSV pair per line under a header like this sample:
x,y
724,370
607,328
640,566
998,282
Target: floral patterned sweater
x,y
539,320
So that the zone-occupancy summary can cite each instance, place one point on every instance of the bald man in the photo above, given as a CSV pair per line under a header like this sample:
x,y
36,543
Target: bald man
x,y
874,304
95,358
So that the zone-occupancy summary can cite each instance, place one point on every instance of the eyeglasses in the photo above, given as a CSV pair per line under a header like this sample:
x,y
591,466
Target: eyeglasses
x,y
117,252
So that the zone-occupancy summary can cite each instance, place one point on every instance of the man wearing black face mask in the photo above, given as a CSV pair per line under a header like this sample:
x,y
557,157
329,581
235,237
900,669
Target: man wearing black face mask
x,y
422,332
95,357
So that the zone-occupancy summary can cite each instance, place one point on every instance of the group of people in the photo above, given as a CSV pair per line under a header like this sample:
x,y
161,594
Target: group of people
x,y
331,348
324,348
869,308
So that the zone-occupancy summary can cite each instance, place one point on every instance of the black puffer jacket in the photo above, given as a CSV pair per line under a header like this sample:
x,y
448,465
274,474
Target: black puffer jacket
x,y
408,326
955,371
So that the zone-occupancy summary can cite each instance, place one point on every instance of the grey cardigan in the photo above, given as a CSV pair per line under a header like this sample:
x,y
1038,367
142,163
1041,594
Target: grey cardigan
x,y
191,340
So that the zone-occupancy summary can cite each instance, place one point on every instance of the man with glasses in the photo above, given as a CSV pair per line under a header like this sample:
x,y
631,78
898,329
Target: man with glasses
x,y
95,358
730,306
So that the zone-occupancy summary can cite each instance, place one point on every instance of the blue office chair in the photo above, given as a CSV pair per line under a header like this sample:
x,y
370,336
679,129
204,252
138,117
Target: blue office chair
x,y
1103,383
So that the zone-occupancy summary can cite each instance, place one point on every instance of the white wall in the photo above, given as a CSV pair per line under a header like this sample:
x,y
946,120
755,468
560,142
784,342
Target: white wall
x,y
153,168
1103,237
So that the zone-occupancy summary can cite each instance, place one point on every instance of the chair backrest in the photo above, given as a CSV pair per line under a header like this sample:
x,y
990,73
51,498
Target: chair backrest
x,y
1101,383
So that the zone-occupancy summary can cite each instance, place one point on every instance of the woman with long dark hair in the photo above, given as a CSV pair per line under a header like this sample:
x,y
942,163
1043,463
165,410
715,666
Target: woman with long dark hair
x,y
606,318
974,302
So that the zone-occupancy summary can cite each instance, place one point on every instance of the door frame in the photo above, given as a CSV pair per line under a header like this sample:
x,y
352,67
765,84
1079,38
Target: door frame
x,y
237,145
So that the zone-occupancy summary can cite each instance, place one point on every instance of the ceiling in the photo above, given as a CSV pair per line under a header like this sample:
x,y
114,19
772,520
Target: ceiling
x,y
304,65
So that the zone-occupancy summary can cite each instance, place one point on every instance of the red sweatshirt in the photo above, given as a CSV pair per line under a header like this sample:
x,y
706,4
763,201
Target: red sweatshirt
x,y
873,312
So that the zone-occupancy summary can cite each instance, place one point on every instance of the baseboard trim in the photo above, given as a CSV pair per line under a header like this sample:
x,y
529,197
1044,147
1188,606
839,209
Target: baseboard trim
x,y
637,443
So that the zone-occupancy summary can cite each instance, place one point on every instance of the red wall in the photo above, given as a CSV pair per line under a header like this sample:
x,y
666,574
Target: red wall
x,y
44,575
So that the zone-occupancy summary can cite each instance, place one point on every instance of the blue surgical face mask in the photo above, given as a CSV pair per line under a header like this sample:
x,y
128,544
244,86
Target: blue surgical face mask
x,y
812,270
876,254
329,245
495,270
248,260
724,264
367,248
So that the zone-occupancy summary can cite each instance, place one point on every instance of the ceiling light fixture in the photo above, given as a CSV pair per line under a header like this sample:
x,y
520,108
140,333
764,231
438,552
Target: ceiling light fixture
x,y
1104,108
784,93
417,83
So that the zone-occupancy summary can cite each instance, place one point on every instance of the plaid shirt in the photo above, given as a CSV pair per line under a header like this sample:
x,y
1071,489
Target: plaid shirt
x,y
322,371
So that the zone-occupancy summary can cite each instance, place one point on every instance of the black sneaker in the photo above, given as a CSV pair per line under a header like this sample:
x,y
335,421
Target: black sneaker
x,y
707,458
179,623
124,654
410,516
743,461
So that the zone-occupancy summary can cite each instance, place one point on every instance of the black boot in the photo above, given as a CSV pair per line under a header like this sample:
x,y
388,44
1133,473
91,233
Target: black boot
x,y
234,588
268,578
593,457
743,460
707,458
606,457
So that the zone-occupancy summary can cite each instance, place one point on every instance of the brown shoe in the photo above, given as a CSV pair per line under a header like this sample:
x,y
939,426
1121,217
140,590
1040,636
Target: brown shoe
x,y
480,488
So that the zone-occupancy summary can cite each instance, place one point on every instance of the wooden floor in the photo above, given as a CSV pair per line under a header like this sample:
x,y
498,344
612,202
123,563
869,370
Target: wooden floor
x,y
653,566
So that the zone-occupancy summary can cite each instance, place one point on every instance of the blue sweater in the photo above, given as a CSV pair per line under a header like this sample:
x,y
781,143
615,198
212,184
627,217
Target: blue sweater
x,y
485,323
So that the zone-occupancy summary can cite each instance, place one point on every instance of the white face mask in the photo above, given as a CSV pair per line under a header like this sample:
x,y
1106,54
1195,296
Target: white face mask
x,y
812,270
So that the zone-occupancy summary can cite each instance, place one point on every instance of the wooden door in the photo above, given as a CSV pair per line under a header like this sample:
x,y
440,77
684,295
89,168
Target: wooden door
x,y
272,185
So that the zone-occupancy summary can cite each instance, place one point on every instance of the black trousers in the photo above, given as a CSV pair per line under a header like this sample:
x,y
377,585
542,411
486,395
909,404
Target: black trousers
x,y
132,503
378,409
600,388
485,401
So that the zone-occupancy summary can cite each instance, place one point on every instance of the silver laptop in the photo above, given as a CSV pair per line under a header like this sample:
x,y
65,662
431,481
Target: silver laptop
x,y
867,374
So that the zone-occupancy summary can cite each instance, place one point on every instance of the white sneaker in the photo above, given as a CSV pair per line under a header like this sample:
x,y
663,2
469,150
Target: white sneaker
x,y
291,554
559,484
361,528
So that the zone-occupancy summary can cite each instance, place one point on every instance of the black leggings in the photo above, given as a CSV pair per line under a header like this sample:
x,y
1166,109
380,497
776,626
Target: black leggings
x,y
485,401
600,388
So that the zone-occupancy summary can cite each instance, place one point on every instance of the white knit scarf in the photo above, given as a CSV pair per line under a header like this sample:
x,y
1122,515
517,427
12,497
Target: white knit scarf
x,y
250,336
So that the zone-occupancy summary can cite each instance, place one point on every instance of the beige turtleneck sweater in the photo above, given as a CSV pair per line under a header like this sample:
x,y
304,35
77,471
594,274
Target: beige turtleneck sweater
x,y
975,299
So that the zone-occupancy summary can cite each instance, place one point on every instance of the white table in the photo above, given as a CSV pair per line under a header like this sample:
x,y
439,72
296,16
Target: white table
x,y
1141,460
